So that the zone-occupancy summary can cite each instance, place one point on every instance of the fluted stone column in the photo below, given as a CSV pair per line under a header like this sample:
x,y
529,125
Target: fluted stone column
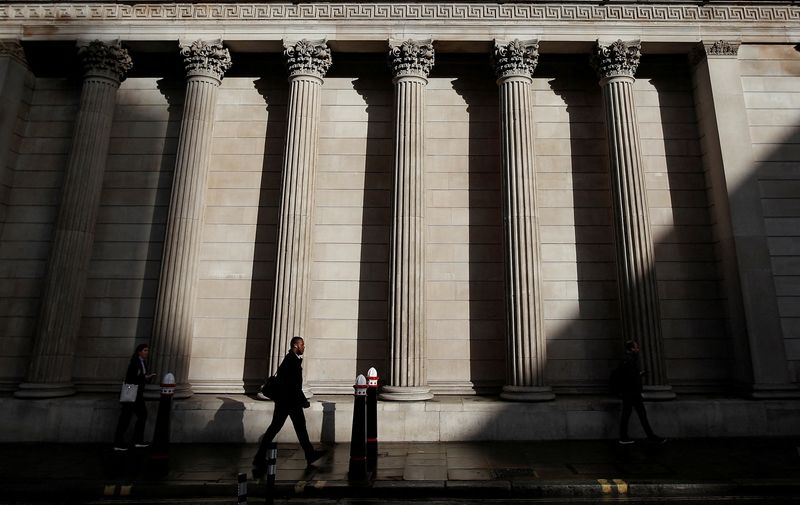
x,y
50,370
514,64
410,61
206,63
742,239
636,277
307,62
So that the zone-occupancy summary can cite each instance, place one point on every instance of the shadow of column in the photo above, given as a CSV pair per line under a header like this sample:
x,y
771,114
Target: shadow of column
x,y
689,269
274,89
373,281
486,288
173,90
594,331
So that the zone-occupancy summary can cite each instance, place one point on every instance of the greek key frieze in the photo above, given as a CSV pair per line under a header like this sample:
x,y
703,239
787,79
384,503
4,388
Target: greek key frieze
x,y
412,11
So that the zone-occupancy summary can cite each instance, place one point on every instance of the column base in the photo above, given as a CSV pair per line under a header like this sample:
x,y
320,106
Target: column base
x,y
658,393
772,391
45,390
527,393
405,394
153,391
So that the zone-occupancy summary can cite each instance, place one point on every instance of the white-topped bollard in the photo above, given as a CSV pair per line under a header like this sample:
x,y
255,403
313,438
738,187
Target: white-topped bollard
x,y
160,449
358,440
372,419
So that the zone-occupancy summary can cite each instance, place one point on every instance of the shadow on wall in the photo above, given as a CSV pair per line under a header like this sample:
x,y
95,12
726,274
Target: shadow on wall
x,y
373,280
262,280
485,287
585,344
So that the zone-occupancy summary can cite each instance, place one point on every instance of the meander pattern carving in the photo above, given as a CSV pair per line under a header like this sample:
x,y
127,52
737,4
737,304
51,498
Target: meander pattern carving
x,y
387,11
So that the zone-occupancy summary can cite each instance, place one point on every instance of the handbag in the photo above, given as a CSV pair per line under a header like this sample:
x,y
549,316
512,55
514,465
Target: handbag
x,y
270,387
128,393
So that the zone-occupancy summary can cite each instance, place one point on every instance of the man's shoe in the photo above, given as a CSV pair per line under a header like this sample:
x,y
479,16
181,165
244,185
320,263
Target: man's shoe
x,y
625,441
657,440
141,445
120,448
312,457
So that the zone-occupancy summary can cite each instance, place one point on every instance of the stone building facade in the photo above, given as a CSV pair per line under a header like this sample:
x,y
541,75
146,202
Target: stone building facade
x,y
482,200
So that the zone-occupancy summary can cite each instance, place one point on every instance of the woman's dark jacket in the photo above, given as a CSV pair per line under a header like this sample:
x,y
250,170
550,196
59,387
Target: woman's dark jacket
x,y
135,375
290,382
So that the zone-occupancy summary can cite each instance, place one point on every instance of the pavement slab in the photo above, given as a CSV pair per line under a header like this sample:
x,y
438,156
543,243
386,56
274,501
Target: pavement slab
x,y
519,470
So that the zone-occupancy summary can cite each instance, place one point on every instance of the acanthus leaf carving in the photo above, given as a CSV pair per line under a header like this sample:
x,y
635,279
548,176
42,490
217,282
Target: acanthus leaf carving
x,y
411,58
105,58
13,49
206,58
308,57
616,59
722,48
515,58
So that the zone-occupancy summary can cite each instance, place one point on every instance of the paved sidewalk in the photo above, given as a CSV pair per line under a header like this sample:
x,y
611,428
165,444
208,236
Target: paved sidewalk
x,y
707,467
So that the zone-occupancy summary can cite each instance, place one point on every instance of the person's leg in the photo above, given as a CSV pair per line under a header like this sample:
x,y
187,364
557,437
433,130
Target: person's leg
x,y
140,410
278,419
624,418
638,404
122,424
299,422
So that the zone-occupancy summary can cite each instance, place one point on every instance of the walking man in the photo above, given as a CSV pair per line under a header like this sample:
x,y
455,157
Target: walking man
x,y
289,402
631,391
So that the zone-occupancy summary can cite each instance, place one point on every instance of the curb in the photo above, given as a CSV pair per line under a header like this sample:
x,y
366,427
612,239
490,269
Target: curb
x,y
600,488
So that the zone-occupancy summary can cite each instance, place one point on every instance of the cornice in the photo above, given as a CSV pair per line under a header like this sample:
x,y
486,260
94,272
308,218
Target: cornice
x,y
355,12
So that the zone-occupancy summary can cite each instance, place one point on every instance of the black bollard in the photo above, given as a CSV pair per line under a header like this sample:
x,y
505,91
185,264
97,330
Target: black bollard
x,y
272,462
160,448
242,500
358,439
372,419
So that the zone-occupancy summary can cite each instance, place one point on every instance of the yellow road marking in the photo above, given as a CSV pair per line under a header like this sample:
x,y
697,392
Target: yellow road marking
x,y
622,486
604,486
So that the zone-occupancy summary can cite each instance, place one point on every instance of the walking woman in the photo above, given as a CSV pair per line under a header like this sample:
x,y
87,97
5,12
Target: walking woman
x,y
138,376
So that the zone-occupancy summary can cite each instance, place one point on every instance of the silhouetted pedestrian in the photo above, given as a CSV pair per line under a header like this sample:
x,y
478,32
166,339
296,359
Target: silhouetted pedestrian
x,y
630,388
289,402
135,375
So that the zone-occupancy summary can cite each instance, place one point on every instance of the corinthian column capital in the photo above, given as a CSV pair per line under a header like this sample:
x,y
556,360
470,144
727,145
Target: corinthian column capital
x,y
618,59
411,58
515,58
206,58
13,49
307,57
104,59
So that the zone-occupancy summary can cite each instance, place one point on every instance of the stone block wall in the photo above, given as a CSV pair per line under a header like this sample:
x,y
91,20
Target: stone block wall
x,y
41,156
349,284
771,85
